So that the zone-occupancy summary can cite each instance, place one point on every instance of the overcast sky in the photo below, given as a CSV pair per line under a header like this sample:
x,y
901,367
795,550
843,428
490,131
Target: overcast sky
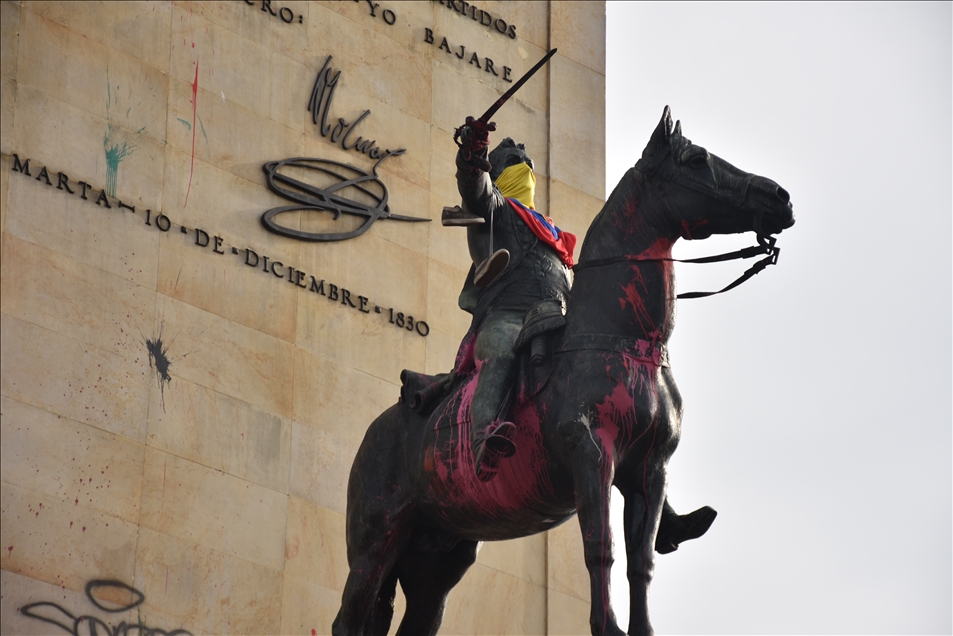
x,y
818,395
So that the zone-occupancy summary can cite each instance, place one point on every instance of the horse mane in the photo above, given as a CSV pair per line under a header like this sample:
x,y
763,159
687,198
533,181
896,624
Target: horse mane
x,y
622,204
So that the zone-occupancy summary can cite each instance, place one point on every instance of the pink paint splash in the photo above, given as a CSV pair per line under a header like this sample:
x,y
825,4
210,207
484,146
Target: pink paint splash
x,y
195,101
450,460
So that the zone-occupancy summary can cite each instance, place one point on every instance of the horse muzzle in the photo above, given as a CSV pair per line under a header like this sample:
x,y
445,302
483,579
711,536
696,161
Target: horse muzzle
x,y
771,205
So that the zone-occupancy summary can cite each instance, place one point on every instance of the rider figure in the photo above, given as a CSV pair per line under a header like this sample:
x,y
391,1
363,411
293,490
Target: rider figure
x,y
519,259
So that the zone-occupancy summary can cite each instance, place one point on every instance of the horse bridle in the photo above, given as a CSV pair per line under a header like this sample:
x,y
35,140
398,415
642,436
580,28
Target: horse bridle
x,y
766,245
766,242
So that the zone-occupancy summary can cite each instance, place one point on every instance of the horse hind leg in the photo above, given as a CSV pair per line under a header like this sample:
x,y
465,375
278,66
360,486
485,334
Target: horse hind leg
x,y
374,548
426,579
367,602
383,611
380,524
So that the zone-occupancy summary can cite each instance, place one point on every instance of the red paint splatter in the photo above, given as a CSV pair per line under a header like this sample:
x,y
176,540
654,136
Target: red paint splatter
x,y
195,101
314,633
10,551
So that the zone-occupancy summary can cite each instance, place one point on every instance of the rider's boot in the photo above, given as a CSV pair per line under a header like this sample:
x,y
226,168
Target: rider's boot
x,y
675,528
490,436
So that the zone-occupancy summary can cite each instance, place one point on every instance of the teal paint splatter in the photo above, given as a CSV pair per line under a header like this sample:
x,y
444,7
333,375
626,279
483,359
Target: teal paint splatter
x,y
202,126
187,124
115,147
115,153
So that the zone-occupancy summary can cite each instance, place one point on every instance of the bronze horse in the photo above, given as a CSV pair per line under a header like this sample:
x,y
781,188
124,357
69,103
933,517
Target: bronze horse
x,y
607,413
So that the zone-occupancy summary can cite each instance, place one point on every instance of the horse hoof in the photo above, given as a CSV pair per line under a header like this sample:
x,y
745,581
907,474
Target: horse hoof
x,y
697,523
683,528
665,547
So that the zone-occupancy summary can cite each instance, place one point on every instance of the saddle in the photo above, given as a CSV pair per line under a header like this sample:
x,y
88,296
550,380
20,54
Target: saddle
x,y
422,393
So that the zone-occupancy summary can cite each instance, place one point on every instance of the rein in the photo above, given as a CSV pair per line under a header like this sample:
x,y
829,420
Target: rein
x,y
766,245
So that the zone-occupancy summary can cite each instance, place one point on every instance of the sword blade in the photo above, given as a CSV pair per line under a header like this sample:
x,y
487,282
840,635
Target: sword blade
x,y
485,117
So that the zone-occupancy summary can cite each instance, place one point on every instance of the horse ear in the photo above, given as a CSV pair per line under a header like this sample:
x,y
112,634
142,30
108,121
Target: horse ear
x,y
659,142
678,129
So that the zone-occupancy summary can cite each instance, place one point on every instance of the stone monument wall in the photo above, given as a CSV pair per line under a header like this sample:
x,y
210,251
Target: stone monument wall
x,y
183,390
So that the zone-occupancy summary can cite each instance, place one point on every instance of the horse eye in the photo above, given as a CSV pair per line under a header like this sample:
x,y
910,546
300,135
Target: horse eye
x,y
698,161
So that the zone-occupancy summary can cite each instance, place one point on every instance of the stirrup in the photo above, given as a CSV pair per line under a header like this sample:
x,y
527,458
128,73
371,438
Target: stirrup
x,y
488,270
456,216
496,446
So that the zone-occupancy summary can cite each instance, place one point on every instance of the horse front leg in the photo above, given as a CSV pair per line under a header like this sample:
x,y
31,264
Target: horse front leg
x,y
592,478
644,496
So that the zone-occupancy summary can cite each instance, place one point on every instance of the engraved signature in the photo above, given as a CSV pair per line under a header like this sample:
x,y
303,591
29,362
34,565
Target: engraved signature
x,y
330,199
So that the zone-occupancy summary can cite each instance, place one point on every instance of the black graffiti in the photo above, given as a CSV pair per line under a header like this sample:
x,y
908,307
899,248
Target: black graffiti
x,y
65,620
159,359
328,199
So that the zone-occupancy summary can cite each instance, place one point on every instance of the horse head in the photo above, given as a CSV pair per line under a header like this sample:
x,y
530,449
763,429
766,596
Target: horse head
x,y
705,194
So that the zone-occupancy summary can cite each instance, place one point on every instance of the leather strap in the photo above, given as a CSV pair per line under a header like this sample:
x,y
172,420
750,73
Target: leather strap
x,y
643,350
766,245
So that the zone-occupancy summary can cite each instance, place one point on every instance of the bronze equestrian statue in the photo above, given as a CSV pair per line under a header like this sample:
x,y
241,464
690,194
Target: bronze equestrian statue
x,y
593,401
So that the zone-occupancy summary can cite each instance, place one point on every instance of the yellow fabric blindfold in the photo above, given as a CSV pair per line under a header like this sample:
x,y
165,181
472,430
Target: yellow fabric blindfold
x,y
518,182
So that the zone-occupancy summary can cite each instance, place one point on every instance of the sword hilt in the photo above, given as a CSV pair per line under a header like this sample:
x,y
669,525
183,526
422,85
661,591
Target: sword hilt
x,y
472,143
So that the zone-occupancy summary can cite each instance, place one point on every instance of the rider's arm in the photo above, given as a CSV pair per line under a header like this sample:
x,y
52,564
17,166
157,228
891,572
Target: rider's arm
x,y
479,195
